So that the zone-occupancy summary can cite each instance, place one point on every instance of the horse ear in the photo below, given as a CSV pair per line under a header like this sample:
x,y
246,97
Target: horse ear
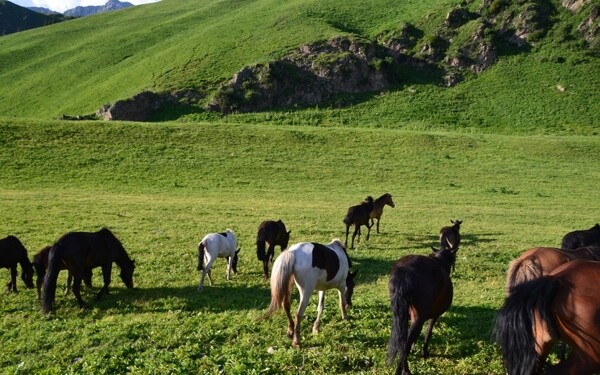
x,y
354,273
289,231
238,250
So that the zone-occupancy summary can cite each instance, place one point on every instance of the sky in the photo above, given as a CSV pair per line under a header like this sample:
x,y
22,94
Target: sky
x,y
62,5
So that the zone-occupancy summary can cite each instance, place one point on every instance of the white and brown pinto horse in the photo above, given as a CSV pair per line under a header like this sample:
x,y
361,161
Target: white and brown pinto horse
x,y
313,267
213,246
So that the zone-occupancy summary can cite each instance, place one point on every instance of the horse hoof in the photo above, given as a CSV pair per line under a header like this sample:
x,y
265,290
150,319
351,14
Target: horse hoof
x,y
290,335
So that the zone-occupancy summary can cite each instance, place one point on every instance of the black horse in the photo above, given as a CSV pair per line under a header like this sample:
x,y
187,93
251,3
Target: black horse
x,y
581,238
420,290
358,216
274,233
450,236
40,264
80,252
12,252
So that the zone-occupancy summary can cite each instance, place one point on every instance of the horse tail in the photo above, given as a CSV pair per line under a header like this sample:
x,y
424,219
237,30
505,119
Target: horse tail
x,y
513,329
522,270
401,293
54,263
201,248
282,277
261,253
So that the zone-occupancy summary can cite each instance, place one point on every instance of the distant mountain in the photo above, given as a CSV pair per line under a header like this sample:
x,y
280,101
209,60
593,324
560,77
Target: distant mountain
x,y
14,18
43,10
89,10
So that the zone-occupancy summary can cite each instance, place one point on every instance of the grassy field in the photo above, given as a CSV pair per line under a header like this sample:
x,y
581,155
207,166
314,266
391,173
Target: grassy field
x,y
160,188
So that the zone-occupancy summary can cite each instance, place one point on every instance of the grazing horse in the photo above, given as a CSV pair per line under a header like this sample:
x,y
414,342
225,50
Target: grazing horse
x,y
274,233
359,215
217,245
79,252
564,305
540,261
378,208
581,238
313,267
450,236
420,289
40,264
12,252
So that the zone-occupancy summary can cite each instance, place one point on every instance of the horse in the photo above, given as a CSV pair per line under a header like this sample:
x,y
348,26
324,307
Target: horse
x,y
40,264
450,235
80,252
274,233
563,305
359,215
420,289
313,267
213,246
12,252
378,208
581,238
539,261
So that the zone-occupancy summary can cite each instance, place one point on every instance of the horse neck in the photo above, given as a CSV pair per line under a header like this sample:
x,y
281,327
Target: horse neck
x,y
25,263
446,260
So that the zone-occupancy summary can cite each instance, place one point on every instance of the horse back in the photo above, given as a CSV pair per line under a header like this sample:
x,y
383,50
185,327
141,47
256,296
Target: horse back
x,y
219,244
271,231
325,264
84,250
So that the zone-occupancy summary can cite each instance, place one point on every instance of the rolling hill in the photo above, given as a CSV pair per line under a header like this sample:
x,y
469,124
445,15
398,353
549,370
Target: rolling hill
x,y
550,83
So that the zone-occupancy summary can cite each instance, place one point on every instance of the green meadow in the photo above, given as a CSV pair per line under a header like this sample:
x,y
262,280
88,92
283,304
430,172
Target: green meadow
x,y
162,187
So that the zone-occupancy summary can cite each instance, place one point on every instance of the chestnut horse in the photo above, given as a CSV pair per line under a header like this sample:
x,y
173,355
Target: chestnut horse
x,y
12,252
540,261
358,216
313,267
564,305
581,238
420,289
275,234
378,208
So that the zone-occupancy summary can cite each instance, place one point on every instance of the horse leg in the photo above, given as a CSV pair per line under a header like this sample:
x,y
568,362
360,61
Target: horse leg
x,y
12,284
413,334
229,262
106,270
377,225
347,231
356,231
69,282
343,304
77,291
304,297
206,271
425,350
286,307
38,285
368,230
317,323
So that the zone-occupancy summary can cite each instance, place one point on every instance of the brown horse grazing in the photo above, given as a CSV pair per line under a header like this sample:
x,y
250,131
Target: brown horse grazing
x,y
540,261
12,252
450,236
40,264
275,234
378,208
420,289
359,215
581,238
564,305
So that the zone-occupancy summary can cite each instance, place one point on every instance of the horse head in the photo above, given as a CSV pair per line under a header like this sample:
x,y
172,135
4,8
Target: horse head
x,y
27,274
350,284
456,223
234,262
389,201
127,268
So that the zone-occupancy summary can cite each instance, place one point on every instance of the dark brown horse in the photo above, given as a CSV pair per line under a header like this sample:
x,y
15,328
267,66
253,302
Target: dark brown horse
x,y
40,264
12,252
273,233
358,216
540,261
564,305
581,238
80,252
420,290
450,236
378,208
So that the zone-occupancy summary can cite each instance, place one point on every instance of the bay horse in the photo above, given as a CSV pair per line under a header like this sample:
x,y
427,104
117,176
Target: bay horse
x,y
358,216
273,233
581,238
420,289
313,267
563,305
378,206
12,252
450,235
80,252
40,264
539,261
213,246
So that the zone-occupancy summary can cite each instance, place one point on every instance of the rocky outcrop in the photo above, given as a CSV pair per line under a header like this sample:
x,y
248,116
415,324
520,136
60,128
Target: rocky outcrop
x,y
589,29
574,5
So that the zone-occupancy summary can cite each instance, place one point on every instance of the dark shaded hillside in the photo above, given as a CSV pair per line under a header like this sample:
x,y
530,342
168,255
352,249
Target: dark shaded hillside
x,y
14,18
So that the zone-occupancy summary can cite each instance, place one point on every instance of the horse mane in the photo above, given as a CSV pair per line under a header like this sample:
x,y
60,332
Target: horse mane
x,y
337,241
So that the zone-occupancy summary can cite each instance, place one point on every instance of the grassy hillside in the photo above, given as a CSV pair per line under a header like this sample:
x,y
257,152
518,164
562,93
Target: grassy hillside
x,y
75,67
161,188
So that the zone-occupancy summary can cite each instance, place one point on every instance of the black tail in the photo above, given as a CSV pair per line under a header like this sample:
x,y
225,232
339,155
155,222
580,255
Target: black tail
x,y
54,261
349,218
201,248
513,329
400,297
261,253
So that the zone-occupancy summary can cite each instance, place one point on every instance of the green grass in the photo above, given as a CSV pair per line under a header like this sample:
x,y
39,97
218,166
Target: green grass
x,y
160,188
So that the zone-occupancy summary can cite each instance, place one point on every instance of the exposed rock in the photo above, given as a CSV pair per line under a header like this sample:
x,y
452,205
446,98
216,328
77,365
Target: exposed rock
x,y
402,40
138,108
574,5
478,55
458,17
589,29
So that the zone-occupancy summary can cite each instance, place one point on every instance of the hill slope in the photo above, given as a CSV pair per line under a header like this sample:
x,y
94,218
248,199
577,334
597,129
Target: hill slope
x,y
174,45
14,18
